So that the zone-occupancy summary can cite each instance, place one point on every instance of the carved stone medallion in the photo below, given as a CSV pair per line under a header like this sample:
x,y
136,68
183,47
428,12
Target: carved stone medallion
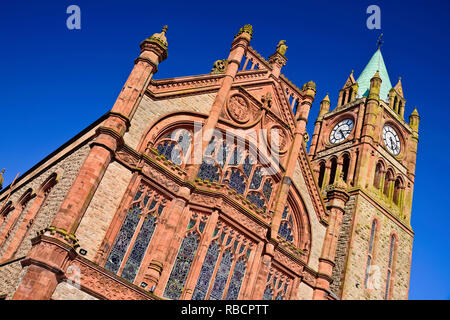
x,y
278,139
238,108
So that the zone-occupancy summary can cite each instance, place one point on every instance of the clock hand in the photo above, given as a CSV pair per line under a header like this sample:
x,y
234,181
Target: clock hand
x,y
392,143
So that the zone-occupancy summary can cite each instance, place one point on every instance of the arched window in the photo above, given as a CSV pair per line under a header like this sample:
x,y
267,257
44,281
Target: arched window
x,y
227,258
286,225
26,223
387,182
370,253
7,208
236,166
344,96
142,218
321,173
333,170
395,104
350,92
345,166
176,146
390,269
378,175
12,218
277,286
397,191
400,106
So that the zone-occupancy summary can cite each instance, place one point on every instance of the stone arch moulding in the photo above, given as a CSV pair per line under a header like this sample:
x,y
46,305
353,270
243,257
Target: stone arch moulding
x,y
302,218
26,224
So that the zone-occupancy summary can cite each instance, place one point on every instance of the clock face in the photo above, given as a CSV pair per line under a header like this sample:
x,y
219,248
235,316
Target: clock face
x,y
391,140
341,131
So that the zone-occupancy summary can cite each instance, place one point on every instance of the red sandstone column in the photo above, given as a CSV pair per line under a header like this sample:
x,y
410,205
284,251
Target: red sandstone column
x,y
309,91
266,261
109,137
238,49
337,197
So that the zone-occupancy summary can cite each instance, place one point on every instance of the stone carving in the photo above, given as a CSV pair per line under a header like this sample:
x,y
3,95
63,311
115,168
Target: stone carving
x,y
161,179
126,157
278,139
219,66
238,108
286,261
205,200
105,285
309,278
245,221
282,47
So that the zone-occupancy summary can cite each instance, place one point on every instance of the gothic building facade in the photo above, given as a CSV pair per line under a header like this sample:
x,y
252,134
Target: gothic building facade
x,y
201,187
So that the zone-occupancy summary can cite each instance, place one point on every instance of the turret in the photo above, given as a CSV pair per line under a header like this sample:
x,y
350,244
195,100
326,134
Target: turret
x,y
324,108
414,119
1,179
375,86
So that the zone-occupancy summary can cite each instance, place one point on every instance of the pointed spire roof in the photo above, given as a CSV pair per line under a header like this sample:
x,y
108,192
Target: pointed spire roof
x,y
415,113
376,64
327,98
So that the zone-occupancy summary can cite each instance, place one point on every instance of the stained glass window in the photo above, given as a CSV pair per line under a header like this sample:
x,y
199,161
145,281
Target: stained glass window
x,y
181,268
256,179
142,209
140,246
286,225
123,239
235,157
276,286
247,166
257,199
267,189
175,146
222,154
268,293
222,276
206,272
208,171
236,279
237,181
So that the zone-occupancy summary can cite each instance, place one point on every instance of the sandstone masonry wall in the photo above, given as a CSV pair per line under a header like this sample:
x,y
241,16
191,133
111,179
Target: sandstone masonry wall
x,y
68,168
102,208
356,266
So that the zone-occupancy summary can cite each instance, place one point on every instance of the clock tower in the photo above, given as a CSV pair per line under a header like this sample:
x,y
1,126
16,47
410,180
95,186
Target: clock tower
x,y
366,142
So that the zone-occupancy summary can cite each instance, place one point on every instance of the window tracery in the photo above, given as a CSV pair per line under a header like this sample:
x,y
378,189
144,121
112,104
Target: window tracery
x,y
142,218
185,257
224,266
277,286
286,225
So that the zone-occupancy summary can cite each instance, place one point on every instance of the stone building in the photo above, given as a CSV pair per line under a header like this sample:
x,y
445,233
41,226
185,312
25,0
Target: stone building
x,y
201,187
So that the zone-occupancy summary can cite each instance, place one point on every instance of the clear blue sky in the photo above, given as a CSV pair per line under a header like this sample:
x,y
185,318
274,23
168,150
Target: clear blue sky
x,y
54,82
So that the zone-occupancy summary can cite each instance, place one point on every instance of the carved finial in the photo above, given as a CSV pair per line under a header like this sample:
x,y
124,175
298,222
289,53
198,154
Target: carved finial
x,y
219,66
160,37
247,29
282,47
1,178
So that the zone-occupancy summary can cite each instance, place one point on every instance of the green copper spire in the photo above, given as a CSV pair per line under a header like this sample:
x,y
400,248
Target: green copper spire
x,y
375,64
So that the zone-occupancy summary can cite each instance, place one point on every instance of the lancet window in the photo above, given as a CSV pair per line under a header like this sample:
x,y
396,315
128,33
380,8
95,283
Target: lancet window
x,y
277,286
136,233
